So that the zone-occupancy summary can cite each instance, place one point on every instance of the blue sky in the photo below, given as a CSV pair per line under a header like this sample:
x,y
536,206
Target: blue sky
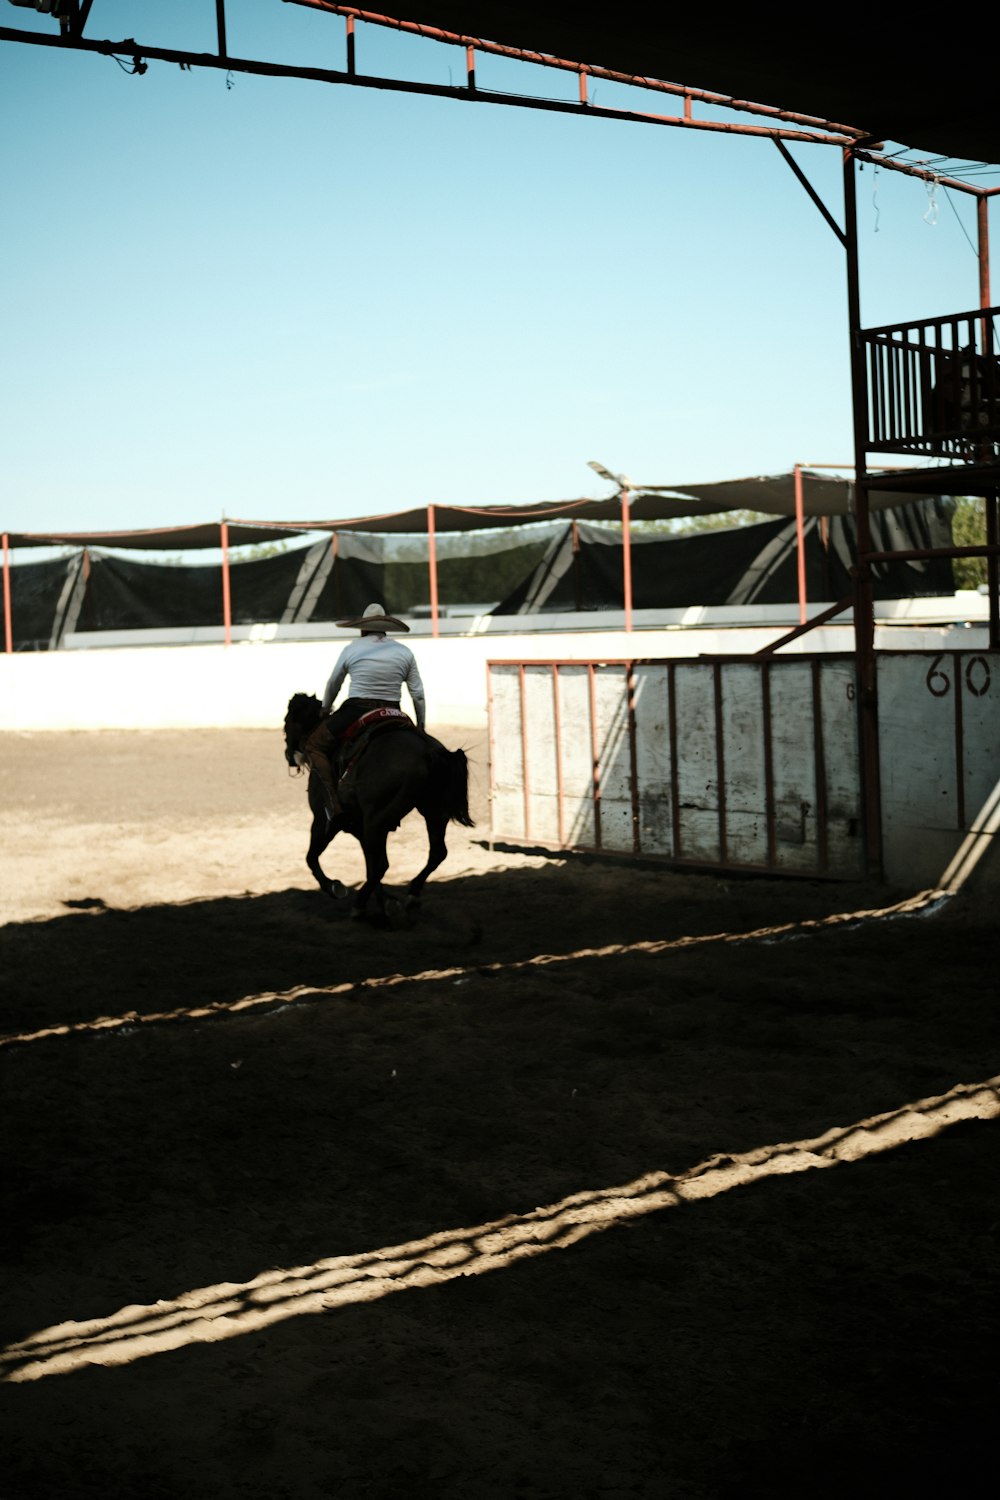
x,y
287,300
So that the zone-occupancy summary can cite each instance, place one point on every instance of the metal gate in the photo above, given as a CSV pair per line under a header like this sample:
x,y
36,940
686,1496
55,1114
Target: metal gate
x,y
744,763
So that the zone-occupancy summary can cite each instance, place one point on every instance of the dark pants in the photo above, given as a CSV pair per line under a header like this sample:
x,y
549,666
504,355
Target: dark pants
x,y
353,708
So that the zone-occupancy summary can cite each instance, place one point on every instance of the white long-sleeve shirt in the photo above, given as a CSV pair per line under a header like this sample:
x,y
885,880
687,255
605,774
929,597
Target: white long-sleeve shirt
x,y
377,666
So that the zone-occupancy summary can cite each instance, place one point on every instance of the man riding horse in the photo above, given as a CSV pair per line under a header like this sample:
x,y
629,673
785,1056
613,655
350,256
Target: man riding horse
x,y
377,668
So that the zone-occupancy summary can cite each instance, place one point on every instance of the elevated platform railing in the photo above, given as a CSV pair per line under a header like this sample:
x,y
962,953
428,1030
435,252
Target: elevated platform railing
x,y
934,392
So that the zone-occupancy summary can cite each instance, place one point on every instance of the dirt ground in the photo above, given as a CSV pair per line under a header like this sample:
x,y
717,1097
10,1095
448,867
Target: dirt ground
x,y
599,1180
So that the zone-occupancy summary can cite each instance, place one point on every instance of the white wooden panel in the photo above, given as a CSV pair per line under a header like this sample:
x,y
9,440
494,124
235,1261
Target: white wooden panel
x,y
919,773
793,766
979,681
541,769
507,770
653,763
744,764
697,834
839,714
920,696
614,757
577,756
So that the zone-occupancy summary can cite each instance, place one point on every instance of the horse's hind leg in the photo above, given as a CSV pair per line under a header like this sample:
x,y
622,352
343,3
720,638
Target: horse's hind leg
x,y
437,852
376,864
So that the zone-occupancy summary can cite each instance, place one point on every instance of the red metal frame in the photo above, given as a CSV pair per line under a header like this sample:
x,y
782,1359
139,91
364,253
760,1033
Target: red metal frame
x,y
800,542
557,724
595,755
675,785
8,628
524,754
633,756
139,52
547,60
490,719
227,614
720,758
432,565
627,559
819,764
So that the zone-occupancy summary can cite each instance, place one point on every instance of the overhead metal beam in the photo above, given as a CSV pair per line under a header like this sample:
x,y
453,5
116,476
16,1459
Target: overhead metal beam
x,y
139,52
547,60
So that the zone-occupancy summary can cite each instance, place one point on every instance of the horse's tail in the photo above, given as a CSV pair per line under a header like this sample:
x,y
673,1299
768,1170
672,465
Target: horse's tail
x,y
452,786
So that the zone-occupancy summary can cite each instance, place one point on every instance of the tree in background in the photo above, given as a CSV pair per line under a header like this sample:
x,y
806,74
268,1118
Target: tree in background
x,y
968,526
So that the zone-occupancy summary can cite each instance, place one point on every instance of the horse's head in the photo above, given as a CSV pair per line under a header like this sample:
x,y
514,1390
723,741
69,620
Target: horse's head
x,y
304,713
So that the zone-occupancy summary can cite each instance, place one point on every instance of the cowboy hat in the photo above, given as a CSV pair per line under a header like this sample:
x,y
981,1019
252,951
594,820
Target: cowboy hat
x,y
374,618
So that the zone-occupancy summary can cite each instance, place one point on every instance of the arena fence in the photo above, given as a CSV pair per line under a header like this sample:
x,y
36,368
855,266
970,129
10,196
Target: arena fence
x,y
745,764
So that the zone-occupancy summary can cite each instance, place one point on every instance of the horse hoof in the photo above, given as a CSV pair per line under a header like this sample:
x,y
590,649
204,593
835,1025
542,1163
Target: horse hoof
x,y
399,914
338,890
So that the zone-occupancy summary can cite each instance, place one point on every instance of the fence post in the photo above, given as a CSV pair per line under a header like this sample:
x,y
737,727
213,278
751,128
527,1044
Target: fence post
x,y
7,625
227,616
989,500
800,543
627,557
432,560
864,610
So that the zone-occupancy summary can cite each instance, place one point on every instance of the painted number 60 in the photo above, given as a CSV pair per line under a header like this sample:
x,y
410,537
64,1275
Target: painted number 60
x,y
977,677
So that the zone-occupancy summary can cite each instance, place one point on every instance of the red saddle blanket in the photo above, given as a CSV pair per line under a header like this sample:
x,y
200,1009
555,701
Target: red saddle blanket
x,y
357,736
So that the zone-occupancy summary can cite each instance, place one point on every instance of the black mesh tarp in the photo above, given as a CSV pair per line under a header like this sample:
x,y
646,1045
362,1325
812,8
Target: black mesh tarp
x,y
755,564
35,593
126,595
534,569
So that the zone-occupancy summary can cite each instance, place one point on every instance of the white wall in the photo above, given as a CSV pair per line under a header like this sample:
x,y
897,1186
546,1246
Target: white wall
x,y
247,685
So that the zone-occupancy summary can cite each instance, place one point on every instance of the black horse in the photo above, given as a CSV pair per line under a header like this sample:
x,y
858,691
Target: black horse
x,y
398,770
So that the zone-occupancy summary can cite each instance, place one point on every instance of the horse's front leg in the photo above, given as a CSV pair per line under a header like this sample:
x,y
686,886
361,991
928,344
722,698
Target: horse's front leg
x,y
320,836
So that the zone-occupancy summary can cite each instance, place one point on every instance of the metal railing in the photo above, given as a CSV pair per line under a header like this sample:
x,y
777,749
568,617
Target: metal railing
x,y
934,387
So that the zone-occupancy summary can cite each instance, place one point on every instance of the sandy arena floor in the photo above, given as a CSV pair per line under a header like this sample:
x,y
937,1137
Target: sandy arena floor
x,y
571,1189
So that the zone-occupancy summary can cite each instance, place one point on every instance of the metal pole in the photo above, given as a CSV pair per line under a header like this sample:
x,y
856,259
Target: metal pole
x,y
993,570
220,21
864,613
432,560
338,592
800,543
990,500
227,617
627,559
7,626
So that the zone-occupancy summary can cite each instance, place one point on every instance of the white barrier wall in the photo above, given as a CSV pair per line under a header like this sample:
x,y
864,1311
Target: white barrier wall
x,y
939,753
247,685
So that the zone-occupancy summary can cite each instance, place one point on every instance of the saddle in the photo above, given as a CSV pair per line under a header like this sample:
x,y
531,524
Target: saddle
x,y
356,738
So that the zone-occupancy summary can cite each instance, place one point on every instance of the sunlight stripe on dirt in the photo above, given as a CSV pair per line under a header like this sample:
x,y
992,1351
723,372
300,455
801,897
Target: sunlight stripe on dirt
x,y
228,1309
130,1020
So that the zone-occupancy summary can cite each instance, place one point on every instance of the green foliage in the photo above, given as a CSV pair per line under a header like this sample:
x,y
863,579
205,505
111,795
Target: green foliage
x,y
716,520
968,528
720,520
255,553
